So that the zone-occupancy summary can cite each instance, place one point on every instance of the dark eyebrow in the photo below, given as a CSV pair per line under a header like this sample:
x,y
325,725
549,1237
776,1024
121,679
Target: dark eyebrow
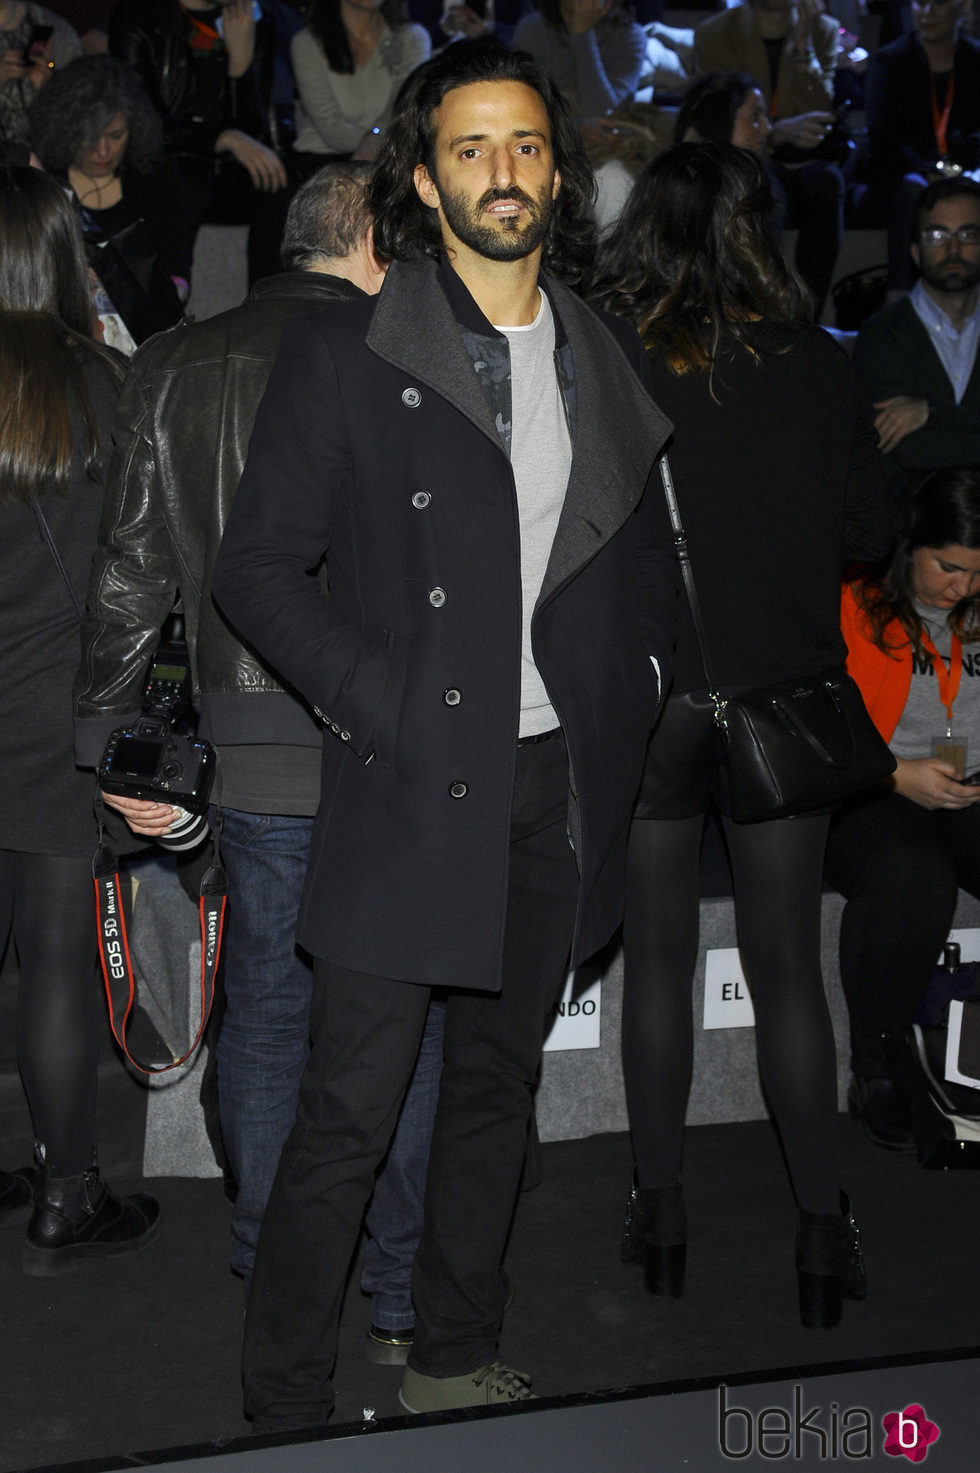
x,y
482,137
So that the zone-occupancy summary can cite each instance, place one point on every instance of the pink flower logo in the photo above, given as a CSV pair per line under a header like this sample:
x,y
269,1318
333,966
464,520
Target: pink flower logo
x,y
909,1433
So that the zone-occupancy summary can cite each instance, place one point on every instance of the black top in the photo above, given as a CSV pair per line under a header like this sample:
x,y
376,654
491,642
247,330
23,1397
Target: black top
x,y
778,484
47,803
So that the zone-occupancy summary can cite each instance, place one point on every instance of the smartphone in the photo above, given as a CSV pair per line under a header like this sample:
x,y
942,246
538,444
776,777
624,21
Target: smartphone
x,y
973,781
37,40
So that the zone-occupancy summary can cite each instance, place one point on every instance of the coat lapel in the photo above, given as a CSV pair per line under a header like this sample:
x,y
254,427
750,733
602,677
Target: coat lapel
x,y
619,434
413,327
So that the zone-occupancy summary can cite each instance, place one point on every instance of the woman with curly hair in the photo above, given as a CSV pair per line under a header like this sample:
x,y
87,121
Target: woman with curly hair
x,y
58,392
96,130
349,63
900,853
777,480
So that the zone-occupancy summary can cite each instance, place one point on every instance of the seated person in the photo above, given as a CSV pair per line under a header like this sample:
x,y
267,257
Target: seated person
x,y
726,107
33,42
918,357
792,51
208,70
923,114
349,64
95,130
591,50
900,852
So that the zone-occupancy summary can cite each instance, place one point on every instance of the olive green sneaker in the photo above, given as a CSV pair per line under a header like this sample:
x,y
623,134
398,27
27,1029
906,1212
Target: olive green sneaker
x,y
493,1385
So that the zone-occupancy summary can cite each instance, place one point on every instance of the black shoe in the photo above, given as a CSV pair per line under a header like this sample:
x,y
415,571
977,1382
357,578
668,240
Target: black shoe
x,y
389,1347
655,1234
16,1194
884,1110
829,1265
78,1217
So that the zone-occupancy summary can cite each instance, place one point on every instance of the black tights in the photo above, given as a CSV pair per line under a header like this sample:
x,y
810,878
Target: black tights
x,y
49,902
777,871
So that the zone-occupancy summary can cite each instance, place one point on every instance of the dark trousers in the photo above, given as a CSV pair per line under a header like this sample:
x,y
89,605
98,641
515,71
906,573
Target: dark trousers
x,y
899,867
221,192
366,1032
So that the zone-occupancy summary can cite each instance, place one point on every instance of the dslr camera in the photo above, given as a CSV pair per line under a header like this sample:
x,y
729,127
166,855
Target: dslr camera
x,y
156,760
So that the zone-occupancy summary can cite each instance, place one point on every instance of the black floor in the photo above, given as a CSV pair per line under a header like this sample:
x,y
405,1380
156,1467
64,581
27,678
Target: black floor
x,y
141,1353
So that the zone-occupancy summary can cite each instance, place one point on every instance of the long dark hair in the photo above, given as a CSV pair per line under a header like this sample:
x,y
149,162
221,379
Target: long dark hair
x,y
695,256
406,229
76,106
326,23
45,323
710,105
942,511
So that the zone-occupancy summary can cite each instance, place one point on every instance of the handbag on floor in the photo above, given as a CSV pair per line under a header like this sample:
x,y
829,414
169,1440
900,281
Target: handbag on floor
x,y
944,1041
788,747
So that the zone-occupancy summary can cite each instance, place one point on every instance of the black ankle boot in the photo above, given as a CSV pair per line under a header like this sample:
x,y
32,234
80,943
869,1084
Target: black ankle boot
x,y
829,1265
655,1234
884,1110
78,1217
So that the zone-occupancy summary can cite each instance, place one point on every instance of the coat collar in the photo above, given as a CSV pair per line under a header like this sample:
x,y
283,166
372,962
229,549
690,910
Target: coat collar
x,y
415,326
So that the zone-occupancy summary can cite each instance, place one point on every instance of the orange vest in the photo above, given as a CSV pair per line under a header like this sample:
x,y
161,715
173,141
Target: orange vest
x,y
884,679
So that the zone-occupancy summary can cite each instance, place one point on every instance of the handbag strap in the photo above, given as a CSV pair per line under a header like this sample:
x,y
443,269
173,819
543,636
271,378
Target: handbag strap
x,y
46,537
690,588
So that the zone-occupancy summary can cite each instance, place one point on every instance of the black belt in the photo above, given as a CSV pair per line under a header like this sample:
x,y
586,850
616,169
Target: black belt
x,y
539,736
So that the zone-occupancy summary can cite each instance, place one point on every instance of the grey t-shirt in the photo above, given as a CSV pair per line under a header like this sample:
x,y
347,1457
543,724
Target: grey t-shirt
x,y
541,457
924,717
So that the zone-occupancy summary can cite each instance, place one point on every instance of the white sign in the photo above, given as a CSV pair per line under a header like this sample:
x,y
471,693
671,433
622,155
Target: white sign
x,y
577,1018
727,1003
969,940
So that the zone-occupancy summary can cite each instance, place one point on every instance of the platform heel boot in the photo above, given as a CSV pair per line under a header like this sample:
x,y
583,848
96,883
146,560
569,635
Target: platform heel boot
x,y
79,1217
655,1234
829,1265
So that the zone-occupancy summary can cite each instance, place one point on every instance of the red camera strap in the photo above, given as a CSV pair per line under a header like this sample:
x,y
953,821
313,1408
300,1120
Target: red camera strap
x,y
117,967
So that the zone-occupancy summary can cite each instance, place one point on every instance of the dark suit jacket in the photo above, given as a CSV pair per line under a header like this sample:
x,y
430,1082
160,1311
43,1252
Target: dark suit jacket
x,y
376,446
899,109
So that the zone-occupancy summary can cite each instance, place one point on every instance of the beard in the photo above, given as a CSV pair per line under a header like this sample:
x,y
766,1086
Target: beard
x,y
511,238
951,276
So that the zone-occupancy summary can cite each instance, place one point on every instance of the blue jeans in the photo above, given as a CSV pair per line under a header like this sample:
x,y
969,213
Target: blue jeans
x,y
262,1051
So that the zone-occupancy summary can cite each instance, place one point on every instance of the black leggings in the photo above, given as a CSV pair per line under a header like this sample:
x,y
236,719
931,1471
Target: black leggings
x,y
49,903
777,870
900,867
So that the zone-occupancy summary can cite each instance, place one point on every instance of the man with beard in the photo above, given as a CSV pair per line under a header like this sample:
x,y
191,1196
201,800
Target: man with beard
x,y
918,356
487,665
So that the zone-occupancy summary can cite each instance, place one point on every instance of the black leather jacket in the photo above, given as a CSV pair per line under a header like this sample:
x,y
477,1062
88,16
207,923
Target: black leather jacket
x,y
150,36
181,435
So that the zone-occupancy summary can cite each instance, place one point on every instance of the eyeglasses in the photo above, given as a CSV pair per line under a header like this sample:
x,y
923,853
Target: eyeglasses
x,y
967,235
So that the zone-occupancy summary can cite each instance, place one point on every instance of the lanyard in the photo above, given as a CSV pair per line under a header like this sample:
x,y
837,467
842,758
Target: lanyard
x,y
948,680
940,118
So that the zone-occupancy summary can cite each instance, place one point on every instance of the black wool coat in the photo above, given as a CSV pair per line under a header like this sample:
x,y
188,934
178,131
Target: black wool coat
x,y
375,448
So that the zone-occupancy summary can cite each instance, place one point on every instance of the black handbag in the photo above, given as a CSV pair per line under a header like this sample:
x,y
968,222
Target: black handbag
x,y
789,747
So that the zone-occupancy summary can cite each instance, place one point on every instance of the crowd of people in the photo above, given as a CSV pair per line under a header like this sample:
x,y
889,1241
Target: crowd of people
x,y
408,498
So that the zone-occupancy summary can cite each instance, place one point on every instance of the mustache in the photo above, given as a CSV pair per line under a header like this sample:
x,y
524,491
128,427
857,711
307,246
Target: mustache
x,y
494,195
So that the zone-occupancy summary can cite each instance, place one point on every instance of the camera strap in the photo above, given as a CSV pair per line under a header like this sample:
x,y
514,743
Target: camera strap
x,y
114,954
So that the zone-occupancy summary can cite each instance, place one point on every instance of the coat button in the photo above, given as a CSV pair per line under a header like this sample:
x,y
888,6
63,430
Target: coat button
x,y
458,790
437,597
411,398
421,500
451,697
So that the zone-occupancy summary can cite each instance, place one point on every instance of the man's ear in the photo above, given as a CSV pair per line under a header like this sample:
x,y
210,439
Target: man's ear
x,y
425,188
916,255
556,185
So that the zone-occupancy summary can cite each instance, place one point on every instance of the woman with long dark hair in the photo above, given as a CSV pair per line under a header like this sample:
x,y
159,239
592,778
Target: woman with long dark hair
x,y
349,63
900,853
777,480
724,107
58,389
94,127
